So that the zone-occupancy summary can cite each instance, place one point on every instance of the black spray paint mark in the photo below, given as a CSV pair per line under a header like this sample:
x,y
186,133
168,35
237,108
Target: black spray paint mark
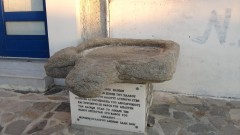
x,y
220,29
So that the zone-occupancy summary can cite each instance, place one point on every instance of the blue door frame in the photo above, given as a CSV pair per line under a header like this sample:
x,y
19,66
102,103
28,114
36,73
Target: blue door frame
x,y
32,46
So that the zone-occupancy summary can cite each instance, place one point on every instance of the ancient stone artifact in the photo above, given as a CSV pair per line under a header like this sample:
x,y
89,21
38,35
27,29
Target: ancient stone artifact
x,y
96,64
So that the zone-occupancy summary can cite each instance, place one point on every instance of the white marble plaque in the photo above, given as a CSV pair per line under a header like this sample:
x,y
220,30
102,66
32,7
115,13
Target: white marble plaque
x,y
121,107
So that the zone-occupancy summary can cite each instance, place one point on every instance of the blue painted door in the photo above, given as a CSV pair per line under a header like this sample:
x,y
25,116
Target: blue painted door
x,y
23,29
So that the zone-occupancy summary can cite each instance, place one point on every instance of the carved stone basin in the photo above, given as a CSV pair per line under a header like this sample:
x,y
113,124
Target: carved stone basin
x,y
95,64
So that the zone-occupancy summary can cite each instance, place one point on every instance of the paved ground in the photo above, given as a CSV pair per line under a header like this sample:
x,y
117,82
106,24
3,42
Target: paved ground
x,y
171,114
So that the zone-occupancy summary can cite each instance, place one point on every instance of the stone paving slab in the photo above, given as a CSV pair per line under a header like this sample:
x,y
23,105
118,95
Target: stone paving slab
x,y
171,114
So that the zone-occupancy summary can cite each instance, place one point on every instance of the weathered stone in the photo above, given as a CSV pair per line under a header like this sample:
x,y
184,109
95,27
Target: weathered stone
x,y
38,127
7,117
85,130
180,115
189,100
229,130
161,110
48,115
201,129
216,102
1,128
101,62
44,106
212,133
6,94
218,122
63,107
218,111
151,121
31,114
16,127
52,123
235,104
163,98
63,117
184,132
202,107
187,108
14,106
50,130
54,90
61,63
170,127
198,114
155,130
235,114
60,98
32,96
85,81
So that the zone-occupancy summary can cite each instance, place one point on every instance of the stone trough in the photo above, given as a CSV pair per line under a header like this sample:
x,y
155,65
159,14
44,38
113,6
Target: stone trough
x,y
92,66
110,82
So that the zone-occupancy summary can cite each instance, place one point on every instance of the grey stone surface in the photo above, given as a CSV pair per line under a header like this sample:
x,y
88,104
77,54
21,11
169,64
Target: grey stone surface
x,y
26,110
38,127
229,130
187,108
180,115
54,90
155,130
235,104
170,126
184,132
151,121
160,98
6,94
201,129
1,128
218,111
51,130
218,122
235,114
63,107
93,65
16,127
48,115
161,110
7,117
198,114
62,63
86,130
63,117
202,107
189,100
44,106
216,102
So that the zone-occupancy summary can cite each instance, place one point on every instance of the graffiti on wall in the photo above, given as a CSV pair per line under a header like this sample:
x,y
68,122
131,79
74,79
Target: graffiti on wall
x,y
220,25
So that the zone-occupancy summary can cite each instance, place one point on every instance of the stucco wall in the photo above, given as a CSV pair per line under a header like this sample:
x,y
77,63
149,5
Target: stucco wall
x,y
207,30
92,18
70,22
63,25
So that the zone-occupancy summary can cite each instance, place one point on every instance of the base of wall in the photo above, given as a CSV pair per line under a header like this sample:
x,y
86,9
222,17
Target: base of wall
x,y
24,75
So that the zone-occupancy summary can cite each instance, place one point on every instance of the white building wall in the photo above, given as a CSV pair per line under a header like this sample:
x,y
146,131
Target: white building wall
x,y
63,24
208,32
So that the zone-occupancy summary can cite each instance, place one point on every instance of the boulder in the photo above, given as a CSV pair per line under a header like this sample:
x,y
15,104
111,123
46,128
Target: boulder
x,y
95,64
